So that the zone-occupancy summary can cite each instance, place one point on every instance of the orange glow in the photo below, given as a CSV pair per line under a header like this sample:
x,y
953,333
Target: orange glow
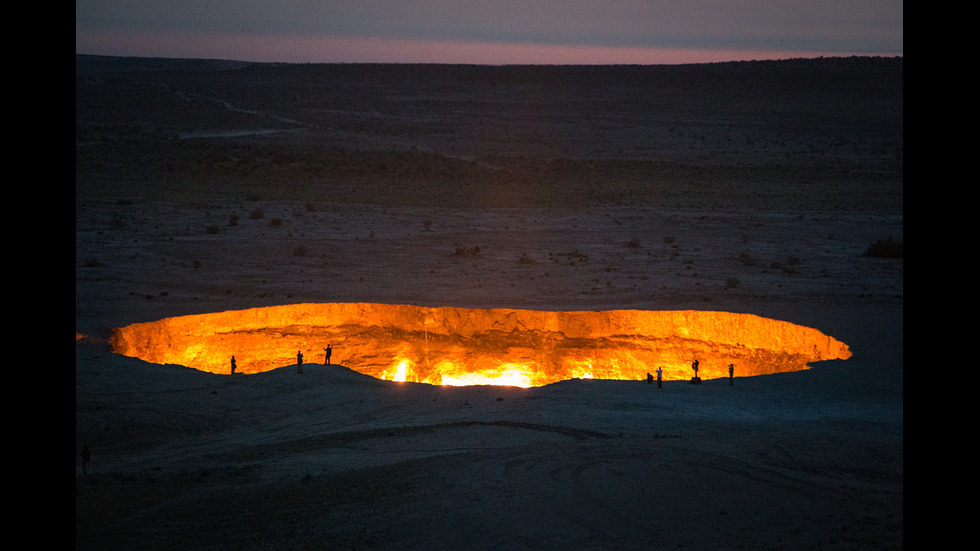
x,y
460,346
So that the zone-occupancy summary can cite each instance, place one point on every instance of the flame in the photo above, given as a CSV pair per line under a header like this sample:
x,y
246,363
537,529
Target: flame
x,y
400,373
506,375
460,346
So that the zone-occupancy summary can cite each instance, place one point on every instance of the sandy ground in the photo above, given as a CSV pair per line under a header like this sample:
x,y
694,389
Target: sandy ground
x,y
332,459
329,459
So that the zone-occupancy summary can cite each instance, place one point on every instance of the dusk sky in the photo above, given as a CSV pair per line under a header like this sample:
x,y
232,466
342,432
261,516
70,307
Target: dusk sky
x,y
489,31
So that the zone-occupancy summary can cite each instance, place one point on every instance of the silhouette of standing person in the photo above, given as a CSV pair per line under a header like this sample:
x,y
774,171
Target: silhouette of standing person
x,y
299,361
86,455
233,365
731,374
694,366
649,379
328,350
660,377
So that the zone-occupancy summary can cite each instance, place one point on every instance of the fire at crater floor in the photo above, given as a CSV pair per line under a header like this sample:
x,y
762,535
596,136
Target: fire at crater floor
x,y
461,346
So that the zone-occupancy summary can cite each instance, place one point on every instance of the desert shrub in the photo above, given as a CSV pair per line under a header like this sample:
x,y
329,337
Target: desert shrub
x,y
275,222
885,248
463,251
633,242
257,214
572,257
525,259
233,220
788,266
213,229
669,239
300,250
731,283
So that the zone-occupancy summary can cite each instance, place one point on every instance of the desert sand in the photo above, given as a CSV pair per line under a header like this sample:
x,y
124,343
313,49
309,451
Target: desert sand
x,y
756,188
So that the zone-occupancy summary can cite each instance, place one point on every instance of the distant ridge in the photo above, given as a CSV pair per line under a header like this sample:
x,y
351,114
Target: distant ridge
x,y
801,75
89,63
85,63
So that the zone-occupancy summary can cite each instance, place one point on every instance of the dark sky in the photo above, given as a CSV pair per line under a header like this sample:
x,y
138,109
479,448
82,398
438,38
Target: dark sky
x,y
489,31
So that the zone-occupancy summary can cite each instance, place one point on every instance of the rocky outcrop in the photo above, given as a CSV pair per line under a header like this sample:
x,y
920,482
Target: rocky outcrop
x,y
444,344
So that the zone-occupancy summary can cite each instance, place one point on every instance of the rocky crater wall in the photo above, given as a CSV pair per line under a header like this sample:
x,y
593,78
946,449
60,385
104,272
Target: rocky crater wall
x,y
438,344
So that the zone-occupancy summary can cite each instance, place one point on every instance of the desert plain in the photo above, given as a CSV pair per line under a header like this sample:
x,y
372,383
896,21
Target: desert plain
x,y
769,188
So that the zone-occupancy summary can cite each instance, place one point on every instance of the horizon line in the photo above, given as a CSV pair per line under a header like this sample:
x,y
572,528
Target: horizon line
x,y
463,63
250,48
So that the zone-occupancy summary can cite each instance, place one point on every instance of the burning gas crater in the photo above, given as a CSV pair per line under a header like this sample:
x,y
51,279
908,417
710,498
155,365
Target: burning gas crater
x,y
459,346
